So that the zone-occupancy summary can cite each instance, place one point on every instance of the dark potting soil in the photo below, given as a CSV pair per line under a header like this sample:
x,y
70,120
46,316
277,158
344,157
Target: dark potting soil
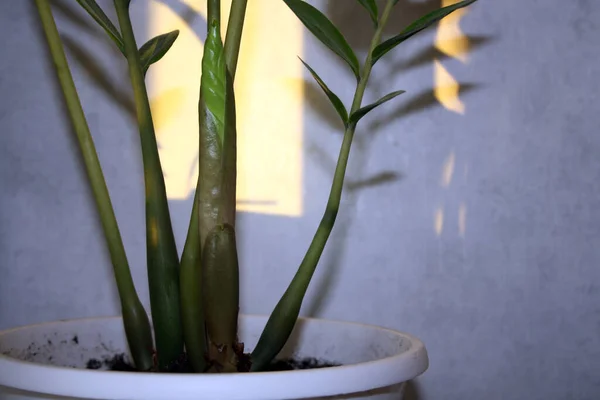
x,y
182,366
291,364
115,363
120,362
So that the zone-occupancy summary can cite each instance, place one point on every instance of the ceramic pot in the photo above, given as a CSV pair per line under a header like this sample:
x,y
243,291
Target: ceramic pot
x,y
48,360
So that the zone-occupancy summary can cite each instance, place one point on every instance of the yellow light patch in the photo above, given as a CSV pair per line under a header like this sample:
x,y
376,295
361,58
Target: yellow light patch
x,y
450,38
166,108
153,228
452,41
447,89
269,110
462,219
448,170
438,221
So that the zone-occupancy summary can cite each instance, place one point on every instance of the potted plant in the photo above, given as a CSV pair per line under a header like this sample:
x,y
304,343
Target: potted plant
x,y
195,345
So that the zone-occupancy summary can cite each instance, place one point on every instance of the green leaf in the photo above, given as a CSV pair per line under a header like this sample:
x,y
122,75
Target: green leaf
x,y
94,10
335,100
416,27
325,31
213,80
371,7
361,112
216,166
155,48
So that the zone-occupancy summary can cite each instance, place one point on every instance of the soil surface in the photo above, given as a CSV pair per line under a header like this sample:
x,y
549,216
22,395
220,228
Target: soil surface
x,y
296,364
119,363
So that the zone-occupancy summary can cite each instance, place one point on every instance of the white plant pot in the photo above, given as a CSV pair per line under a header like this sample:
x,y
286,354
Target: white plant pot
x,y
48,360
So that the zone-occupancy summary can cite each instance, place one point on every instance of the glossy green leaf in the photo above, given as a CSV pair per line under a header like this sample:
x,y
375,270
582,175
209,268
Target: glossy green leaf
x,y
371,7
416,27
325,31
208,199
361,112
333,98
94,10
211,110
213,85
155,48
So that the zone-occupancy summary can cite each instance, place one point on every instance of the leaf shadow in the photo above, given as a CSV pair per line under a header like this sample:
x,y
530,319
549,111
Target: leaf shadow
x,y
75,17
99,76
319,104
417,104
428,54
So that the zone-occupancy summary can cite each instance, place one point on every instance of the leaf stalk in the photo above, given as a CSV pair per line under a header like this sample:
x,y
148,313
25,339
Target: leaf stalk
x,y
135,319
284,316
161,251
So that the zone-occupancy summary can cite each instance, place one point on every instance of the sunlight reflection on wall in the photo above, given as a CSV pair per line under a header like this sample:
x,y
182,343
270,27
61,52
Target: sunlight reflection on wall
x,y
451,41
269,95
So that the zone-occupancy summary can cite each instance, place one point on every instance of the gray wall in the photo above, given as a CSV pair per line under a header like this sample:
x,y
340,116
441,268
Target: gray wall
x,y
509,309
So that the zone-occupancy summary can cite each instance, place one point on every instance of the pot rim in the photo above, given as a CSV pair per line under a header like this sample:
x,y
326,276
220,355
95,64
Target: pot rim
x,y
343,379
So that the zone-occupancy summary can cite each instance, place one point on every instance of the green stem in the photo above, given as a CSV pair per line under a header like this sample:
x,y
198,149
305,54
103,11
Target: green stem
x,y
192,308
135,319
190,280
233,38
217,170
161,251
220,291
213,11
284,316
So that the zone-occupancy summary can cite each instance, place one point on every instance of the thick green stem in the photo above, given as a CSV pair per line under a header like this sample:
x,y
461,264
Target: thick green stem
x,y
192,309
233,38
217,171
220,296
162,258
137,325
213,11
284,316
191,277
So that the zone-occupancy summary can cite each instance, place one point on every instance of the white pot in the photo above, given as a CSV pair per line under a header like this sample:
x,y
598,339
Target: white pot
x,y
47,360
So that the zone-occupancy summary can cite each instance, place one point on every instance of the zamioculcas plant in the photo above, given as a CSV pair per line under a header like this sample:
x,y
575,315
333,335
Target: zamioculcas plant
x,y
194,298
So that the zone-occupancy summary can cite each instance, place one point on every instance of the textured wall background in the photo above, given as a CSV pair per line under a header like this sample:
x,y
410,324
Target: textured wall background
x,y
509,306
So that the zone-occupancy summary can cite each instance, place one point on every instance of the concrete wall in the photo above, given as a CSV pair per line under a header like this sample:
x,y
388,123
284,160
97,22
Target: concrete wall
x,y
478,232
